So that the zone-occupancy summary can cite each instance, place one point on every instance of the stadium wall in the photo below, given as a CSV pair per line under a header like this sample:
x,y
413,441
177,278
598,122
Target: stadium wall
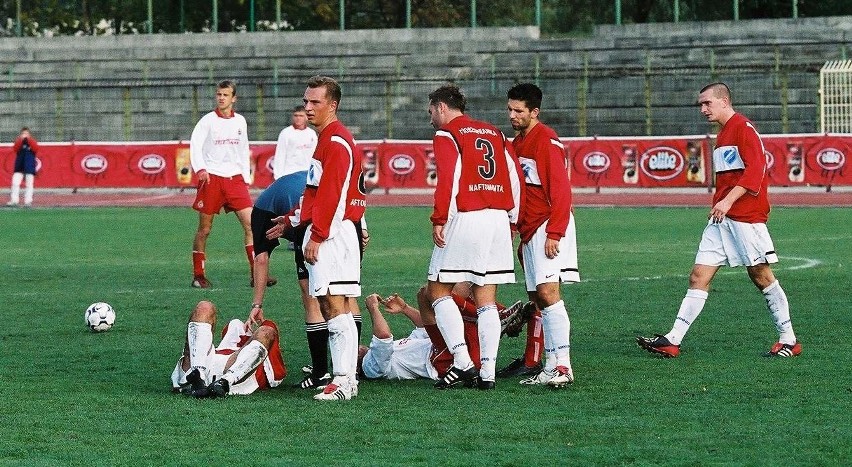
x,y
626,80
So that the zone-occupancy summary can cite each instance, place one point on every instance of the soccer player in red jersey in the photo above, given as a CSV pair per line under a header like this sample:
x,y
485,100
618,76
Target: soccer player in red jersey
x,y
736,233
548,233
334,201
476,201
219,153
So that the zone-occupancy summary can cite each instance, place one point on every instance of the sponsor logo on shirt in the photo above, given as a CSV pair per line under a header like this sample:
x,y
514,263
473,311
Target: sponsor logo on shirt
x,y
94,163
596,162
485,187
662,163
830,159
226,142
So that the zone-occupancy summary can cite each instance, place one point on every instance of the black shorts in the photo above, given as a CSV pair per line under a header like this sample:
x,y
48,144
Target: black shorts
x,y
261,221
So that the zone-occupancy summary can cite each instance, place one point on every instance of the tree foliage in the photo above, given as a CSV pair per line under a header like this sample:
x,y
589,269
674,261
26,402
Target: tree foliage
x,y
91,17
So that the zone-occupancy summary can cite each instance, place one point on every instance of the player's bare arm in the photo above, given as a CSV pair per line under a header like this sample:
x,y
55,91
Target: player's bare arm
x,y
203,177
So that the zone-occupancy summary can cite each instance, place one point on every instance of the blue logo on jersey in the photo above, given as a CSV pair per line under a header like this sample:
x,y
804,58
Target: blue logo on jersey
x,y
526,168
730,155
311,172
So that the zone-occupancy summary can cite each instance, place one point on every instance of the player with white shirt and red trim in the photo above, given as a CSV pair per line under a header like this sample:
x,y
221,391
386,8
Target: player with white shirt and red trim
x,y
736,233
295,146
547,229
334,201
244,361
219,154
476,201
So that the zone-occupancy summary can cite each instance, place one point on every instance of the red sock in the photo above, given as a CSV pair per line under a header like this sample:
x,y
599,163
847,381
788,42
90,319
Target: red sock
x,y
535,340
250,256
441,357
198,258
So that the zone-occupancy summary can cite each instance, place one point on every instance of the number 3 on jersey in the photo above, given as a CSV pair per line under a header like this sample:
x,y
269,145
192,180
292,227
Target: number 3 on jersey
x,y
487,170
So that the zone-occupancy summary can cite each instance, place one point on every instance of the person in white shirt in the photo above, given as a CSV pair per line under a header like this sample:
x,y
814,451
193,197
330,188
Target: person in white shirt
x,y
295,147
219,154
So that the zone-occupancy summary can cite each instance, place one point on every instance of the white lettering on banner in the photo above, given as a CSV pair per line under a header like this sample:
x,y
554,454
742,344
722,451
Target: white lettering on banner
x,y
831,159
596,162
485,187
662,163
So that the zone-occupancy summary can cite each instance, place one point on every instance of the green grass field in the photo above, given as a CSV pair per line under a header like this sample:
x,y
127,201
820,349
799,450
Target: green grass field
x,y
71,397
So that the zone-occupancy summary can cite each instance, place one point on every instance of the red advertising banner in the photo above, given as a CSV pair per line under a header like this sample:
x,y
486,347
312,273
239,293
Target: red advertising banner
x,y
793,160
639,162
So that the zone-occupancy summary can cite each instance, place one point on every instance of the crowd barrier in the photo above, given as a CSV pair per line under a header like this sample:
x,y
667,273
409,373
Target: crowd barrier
x,y
682,161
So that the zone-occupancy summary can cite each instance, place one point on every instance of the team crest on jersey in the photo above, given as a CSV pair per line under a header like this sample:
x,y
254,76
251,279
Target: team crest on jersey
x,y
830,159
596,162
662,163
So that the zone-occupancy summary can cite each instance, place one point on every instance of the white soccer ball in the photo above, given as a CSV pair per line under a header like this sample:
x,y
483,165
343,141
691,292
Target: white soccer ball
x,y
100,317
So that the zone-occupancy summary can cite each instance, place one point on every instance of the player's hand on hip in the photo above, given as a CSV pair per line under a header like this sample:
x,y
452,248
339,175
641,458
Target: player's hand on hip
x,y
719,211
311,252
551,248
438,236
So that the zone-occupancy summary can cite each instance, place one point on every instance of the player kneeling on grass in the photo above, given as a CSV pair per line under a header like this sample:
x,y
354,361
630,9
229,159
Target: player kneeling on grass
x,y
423,353
244,361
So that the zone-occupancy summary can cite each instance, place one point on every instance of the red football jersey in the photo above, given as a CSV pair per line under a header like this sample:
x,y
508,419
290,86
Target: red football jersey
x,y
739,160
335,189
547,188
476,170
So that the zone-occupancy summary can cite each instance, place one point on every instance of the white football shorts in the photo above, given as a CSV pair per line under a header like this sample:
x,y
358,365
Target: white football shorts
x,y
539,269
216,361
338,267
735,244
406,358
479,249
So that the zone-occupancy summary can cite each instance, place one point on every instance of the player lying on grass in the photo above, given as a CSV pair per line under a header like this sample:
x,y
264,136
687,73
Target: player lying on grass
x,y
423,353
244,361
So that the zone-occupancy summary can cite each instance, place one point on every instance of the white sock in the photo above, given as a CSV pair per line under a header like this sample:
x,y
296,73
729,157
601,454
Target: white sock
x,y
15,194
352,351
449,320
690,308
248,359
340,342
199,337
778,305
557,325
29,181
488,328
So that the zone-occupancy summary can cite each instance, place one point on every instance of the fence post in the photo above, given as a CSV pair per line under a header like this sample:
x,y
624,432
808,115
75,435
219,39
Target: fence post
x,y
261,116
58,118
127,120
648,112
388,109
582,91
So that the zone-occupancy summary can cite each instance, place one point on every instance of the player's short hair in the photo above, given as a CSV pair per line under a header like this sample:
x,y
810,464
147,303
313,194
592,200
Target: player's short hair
x,y
720,90
25,128
332,89
299,108
528,93
450,95
228,83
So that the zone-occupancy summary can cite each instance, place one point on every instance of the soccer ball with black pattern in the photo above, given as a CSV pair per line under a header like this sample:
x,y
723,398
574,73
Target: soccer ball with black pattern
x,y
100,317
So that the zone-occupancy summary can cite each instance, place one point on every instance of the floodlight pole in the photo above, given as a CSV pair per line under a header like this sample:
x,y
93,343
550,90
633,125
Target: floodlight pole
x,y
251,15
150,16
538,13
215,25
736,10
18,29
676,11
618,12
278,13
408,14
472,13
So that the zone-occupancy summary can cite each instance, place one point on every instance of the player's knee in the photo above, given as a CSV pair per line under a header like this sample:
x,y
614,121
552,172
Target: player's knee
x,y
266,335
204,312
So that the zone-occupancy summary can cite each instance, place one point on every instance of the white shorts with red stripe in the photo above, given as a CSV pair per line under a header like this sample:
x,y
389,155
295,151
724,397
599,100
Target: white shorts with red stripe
x,y
734,243
539,269
479,249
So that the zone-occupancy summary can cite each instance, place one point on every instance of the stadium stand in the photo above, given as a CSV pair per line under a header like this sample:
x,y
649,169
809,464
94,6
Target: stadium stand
x,y
623,80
